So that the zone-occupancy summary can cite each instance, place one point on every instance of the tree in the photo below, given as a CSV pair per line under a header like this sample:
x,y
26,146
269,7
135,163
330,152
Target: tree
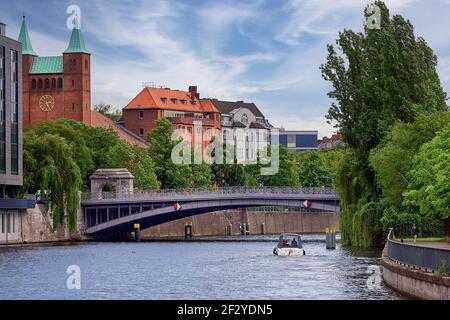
x,y
171,175
137,161
379,77
312,170
429,179
50,167
106,110
287,175
73,133
392,159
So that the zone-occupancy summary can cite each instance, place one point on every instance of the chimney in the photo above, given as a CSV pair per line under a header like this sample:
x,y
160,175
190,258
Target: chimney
x,y
2,29
193,92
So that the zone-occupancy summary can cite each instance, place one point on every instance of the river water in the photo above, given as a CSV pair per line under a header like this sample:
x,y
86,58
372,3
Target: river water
x,y
217,268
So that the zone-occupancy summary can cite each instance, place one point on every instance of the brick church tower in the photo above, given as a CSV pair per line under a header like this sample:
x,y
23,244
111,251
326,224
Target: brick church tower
x,y
57,86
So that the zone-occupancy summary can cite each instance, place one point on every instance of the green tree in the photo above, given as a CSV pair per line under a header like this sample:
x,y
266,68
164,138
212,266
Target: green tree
x,y
312,170
392,159
378,76
137,161
332,161
73,133
107,110
171,175
429,179
287,174
50,167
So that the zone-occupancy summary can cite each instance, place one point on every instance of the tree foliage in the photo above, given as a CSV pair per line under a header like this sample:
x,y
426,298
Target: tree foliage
x,y
137,161
379,77
50,167
312,170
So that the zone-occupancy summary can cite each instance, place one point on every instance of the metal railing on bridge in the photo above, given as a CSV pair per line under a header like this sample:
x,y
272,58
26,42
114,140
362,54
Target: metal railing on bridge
x,y
171,193
415,255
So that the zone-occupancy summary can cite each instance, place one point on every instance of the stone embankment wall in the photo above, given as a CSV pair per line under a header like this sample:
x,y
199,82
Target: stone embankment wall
x,y
215,224
414,283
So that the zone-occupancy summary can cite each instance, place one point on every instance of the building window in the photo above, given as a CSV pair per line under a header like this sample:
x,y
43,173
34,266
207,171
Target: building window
x,y
33,84
190,130
141,131
183,102
164,100
47,83
244,119
60,83
73,106
86,65
193,102
40,84
141,114
53,83
72,63
291,141
2,112
14,112
174,100
73,83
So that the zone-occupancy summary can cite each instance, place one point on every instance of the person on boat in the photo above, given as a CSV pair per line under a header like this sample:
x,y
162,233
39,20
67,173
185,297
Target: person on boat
x,y
294,243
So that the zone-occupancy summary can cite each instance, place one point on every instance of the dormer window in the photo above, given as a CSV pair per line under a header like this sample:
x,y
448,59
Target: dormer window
x,y
174,100
183,102
164,100
244,119
193,102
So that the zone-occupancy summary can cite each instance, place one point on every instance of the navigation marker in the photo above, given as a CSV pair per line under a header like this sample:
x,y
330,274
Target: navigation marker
x,y
177,206
307,203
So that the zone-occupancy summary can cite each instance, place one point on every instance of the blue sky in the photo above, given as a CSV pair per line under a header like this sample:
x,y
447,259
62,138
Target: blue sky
x,y
268,52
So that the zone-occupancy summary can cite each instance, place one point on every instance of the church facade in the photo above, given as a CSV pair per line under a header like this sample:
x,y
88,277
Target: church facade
x,y
57,86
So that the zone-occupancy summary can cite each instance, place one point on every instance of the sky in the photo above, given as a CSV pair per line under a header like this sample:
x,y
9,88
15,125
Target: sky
x,y
262,51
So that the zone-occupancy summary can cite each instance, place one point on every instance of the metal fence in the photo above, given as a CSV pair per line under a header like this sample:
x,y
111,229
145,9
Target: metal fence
x,y
168,193
415,255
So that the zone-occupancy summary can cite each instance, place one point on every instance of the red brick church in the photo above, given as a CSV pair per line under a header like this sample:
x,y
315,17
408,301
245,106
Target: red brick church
x,y
58,86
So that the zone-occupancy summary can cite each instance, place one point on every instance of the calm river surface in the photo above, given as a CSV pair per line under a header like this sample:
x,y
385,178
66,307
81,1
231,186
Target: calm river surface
x,y
213,269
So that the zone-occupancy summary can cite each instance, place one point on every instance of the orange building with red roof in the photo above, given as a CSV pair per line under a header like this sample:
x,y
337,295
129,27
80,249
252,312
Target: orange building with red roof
x,y
184,109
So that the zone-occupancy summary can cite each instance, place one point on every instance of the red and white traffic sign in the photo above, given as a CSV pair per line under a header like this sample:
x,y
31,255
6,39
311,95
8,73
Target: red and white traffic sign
x,y
177,206
307,203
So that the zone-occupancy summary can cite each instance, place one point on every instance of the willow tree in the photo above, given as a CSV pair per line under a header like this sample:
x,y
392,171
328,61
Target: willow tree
x,y
379,76
50,167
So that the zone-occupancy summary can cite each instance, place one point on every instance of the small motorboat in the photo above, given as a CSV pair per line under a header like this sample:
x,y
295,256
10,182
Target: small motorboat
x,y
289,244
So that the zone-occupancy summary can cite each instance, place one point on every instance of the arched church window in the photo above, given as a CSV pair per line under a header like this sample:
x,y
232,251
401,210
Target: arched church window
x,y
53,83
60,83
40,84
33,84
47,83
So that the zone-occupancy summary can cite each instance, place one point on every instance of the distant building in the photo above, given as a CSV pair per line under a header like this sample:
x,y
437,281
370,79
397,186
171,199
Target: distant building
x,y
58,86
336,140
298,140
11,165
243,125
183,109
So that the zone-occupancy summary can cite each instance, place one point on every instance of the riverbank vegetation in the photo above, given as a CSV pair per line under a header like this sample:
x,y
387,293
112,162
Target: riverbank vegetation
x,y
389,105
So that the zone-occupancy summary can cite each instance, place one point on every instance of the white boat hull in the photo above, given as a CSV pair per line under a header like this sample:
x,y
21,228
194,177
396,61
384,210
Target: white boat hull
x,y
289,252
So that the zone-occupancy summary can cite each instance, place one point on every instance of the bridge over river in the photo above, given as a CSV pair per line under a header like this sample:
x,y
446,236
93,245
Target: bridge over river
x,y
106,212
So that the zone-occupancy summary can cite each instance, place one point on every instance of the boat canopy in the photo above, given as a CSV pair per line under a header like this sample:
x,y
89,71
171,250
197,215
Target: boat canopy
x,y
290,240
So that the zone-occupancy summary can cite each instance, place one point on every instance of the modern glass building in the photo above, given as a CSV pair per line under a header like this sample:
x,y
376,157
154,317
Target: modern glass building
x,y
11,173
298,140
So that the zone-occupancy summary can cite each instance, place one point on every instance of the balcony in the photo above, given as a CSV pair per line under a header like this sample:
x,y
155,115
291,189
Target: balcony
x,y
191,120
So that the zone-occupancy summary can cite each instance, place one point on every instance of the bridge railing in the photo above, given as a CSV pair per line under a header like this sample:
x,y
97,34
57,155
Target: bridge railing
x,y
171,193
415,255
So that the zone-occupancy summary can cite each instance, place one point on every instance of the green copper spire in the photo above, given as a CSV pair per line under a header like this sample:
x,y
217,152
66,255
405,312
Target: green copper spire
x,y
76,44
24,39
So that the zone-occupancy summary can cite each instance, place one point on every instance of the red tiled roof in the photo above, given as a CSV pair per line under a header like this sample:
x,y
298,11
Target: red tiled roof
x,y
151,98
98,120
